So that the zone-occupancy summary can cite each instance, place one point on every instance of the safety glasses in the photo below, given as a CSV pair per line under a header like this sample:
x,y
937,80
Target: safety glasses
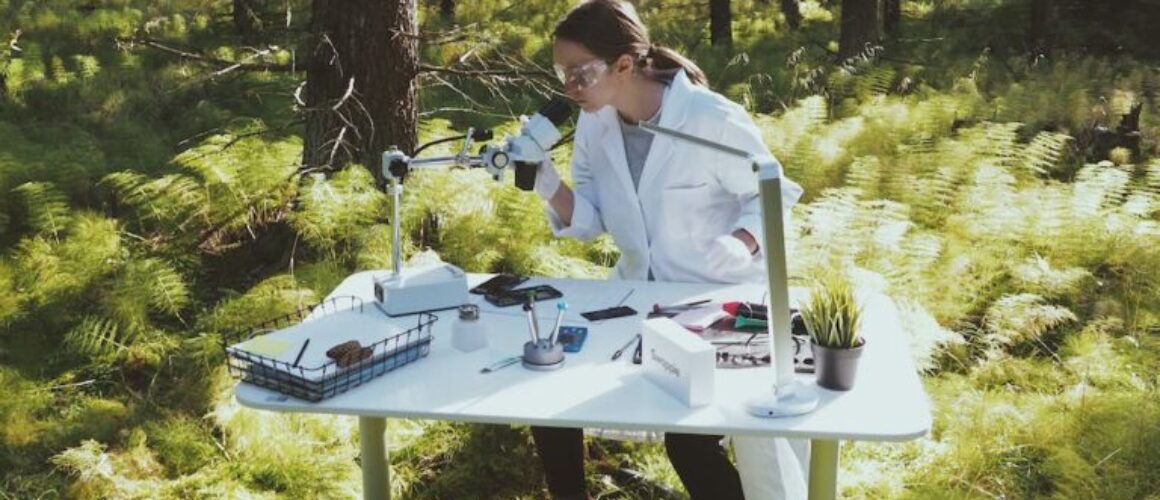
x,y
582,76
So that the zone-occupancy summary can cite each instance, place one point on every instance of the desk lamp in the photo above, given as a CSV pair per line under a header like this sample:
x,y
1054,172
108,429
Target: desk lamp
x,y
789,397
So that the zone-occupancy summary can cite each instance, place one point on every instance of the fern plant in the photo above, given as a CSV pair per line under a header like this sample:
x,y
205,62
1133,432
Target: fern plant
x,y
47,207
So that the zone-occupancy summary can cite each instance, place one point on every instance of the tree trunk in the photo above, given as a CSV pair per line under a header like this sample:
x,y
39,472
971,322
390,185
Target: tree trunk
x,y
720,23
891,16
360,82
245,17
447,9
859,26
1044,17
792,12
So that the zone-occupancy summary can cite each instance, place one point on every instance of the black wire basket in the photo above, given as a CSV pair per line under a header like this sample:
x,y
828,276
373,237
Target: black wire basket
x,y
331,378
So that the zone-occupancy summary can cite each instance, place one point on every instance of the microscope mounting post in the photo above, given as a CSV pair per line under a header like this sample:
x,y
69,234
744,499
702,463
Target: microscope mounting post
x,y
444,286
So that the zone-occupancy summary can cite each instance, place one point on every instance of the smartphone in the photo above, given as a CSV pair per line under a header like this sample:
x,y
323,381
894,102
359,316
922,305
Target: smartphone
x,y
498,283
520,295
572,337
611,312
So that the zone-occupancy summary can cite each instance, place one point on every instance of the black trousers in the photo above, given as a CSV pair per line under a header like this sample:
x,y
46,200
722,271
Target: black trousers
x,y
699,460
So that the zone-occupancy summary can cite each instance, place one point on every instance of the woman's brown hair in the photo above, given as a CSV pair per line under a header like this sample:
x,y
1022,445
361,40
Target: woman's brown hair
x,y
611,28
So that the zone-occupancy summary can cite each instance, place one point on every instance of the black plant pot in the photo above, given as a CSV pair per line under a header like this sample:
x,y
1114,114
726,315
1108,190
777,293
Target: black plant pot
x,y
836,367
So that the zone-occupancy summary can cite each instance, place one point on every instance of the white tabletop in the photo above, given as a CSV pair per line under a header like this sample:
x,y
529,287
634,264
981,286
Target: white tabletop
x,y
887,403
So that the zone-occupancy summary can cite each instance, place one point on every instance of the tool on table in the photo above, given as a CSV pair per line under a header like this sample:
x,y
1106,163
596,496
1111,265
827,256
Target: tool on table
x,y
533,329
626,296
300,353
746,309
639,352
503,363
616,355
531,303
752,321
560,307
673,310
747,323
609,313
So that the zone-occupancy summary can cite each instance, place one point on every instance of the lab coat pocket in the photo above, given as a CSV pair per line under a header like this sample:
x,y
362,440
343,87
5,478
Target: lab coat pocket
x,y
684,216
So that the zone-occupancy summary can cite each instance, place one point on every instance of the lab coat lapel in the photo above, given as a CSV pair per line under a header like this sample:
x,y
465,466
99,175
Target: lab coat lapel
x,y
613,143
673,112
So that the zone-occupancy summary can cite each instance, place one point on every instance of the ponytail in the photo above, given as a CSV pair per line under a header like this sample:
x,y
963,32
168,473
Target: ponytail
x,y
666,61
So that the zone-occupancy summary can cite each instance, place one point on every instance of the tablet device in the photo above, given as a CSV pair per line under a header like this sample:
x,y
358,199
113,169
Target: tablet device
x,y
498,283
520,295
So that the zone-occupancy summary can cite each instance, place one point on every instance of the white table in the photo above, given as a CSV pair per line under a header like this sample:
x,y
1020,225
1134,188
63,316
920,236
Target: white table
x,y
887,403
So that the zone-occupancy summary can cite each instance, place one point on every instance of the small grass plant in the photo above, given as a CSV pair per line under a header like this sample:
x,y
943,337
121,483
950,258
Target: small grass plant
x,y
832,315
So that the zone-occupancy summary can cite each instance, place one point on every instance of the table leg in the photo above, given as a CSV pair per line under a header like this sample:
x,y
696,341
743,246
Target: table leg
x,y
824,469
375,469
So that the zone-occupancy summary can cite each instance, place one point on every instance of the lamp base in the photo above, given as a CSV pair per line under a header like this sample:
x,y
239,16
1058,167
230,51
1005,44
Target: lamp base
x,y
790,400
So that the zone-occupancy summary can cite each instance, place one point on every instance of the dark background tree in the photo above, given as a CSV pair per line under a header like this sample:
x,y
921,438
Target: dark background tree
x,y
891,16
245,17
720,23
360,82
793,13
1044,17
447,9
859,26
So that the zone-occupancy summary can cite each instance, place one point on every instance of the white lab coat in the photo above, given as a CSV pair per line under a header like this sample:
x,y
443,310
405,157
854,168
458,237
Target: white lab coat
x,y
688,196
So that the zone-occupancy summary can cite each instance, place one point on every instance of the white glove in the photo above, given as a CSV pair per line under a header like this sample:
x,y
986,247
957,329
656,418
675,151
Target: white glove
x,y
547,180
728,254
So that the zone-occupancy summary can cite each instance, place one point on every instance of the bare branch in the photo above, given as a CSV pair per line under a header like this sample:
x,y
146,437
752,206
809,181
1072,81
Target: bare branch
x,y
238,137
337,142
223,65
427,68
346,95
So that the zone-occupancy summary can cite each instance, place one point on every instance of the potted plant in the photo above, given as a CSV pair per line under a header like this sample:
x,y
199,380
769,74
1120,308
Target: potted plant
x,y
832,318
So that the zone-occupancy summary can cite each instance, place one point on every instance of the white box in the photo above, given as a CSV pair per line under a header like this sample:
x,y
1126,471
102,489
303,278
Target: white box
x,y
430,287
679,361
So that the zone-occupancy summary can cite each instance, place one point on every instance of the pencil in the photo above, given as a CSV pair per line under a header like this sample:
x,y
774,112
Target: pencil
x,y
300,353
626,296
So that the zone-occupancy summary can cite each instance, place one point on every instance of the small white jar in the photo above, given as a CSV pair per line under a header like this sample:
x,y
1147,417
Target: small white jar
x,y
468,333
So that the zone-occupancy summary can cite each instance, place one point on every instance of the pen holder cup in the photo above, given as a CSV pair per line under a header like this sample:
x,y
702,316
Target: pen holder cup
x,y
543,356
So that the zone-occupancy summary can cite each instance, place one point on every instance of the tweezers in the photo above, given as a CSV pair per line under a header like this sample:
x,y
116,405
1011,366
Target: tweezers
x,y
616,355
503,363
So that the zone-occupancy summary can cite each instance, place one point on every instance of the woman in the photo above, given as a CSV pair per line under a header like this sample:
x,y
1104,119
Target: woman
x,y
678,212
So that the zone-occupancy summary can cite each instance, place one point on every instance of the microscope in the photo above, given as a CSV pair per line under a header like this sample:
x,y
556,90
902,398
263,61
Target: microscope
x,y
444,286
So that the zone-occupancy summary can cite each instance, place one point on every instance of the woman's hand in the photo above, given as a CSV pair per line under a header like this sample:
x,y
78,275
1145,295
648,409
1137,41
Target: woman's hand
x,y
547,180
728,253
